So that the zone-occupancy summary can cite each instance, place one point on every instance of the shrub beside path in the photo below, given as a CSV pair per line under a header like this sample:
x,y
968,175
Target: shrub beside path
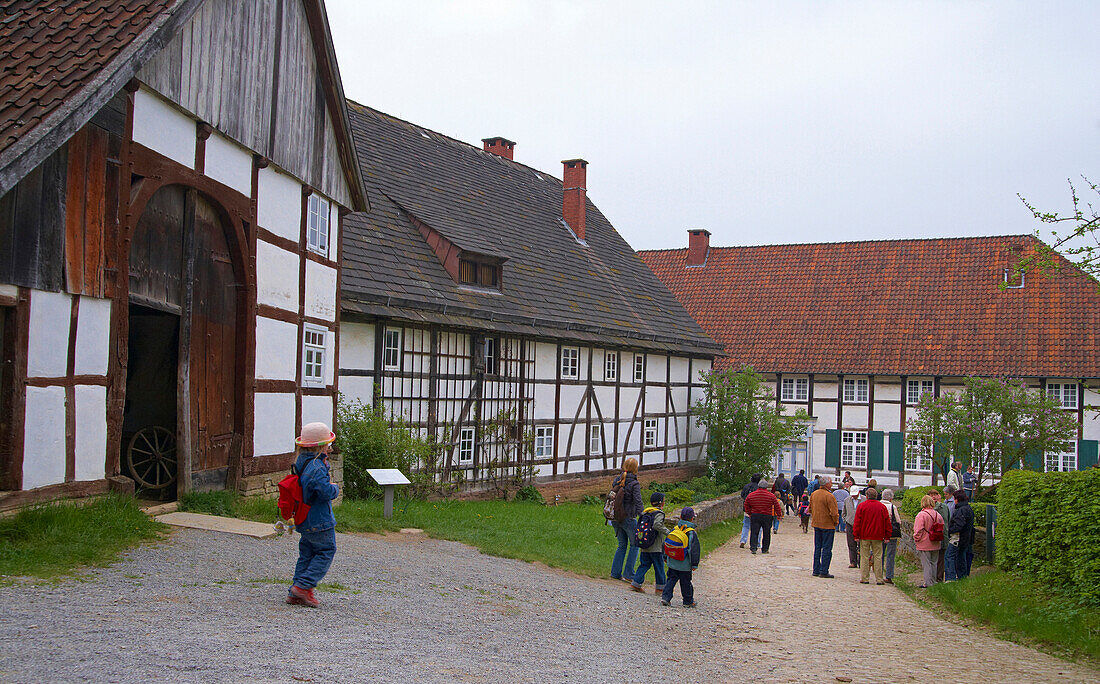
x,y
208,607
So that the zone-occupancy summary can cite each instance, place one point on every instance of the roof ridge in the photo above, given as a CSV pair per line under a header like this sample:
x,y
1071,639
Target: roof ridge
x,y
852,242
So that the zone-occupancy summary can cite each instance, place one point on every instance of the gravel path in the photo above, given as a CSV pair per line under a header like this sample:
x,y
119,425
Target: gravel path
x,y
208,607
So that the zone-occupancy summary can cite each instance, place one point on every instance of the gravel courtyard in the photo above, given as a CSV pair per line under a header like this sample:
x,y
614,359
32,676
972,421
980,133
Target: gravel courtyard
x,y
208,607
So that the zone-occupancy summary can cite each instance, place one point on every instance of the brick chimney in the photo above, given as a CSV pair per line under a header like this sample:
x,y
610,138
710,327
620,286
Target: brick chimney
x,y
698,246
501,147
574,200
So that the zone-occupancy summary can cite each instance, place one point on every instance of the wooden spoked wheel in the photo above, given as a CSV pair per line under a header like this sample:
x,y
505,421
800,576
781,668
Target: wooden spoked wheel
x,y
151,457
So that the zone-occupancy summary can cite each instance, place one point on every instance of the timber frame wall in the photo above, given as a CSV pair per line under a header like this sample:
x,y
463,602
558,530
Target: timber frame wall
x,y
441,386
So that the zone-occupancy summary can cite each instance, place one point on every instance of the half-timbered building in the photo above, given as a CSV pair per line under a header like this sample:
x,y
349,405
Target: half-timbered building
x,y
173,177
857,332
494,308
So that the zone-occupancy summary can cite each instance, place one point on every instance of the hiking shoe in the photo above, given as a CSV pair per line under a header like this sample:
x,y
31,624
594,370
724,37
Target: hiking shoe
x,y
753,551
880,583
304,596
658,590
637,588
664,602
763,552
742,544
864,582
888,580
689,605
826,576
294,600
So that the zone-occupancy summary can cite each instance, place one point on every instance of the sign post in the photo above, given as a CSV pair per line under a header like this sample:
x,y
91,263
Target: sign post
x,y
388,478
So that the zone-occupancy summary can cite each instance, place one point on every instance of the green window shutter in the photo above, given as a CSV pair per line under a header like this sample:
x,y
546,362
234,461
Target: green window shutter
x,y
832,448
897,451
874,449
1086,453
1034,460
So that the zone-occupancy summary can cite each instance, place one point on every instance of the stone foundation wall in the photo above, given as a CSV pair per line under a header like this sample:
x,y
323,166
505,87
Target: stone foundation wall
x,y
716,510
267,484
908,548
576,488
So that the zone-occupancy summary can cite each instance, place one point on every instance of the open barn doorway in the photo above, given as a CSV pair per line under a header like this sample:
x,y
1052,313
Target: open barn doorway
x,y
183,384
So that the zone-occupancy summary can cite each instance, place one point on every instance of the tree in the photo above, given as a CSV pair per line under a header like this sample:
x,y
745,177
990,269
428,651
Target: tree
x,y
1078,240
746,426
993,424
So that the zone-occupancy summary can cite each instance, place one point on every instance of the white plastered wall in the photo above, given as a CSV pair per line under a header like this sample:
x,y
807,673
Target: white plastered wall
x,y
279,203
274,431
276,277
276,349
91,432
228,163
163,128
44,437
93,336
320,291
48,346
317,409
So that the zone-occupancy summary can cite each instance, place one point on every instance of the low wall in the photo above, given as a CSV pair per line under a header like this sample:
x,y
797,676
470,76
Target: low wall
x,y
267,484
908,548
714,511
576,488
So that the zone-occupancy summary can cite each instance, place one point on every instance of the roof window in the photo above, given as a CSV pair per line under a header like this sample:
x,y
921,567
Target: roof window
x,y
1014,279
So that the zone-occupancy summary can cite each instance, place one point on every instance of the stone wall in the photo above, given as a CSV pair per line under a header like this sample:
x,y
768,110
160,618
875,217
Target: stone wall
x,y
576,488
908,548
716,510
267,484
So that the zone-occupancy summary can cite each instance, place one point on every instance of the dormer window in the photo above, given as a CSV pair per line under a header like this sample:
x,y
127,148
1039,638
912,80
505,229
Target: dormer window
x,y
1014,278
478,273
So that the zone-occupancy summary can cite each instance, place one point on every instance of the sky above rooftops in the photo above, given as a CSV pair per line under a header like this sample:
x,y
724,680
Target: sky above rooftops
x,y
760,122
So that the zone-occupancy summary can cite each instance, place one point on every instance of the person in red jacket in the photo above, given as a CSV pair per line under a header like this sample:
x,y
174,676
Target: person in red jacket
x,y
872,528
763,508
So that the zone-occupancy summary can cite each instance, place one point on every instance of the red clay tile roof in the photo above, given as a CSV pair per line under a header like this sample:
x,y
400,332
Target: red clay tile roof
x,y
913,307
56,53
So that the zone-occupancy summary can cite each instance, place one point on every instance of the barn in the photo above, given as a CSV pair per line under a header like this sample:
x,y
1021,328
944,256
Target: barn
x,y
174,178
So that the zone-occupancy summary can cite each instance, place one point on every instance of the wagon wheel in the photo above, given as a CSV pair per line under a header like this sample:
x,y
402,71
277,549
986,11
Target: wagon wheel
x,y
151,457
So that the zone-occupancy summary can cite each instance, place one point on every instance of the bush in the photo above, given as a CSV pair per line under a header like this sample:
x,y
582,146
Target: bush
x,y
679,497
589,500
531,493
909,503
1046,528
367,438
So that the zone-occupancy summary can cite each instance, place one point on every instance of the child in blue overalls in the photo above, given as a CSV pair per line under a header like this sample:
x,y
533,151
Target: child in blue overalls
x,y
318,544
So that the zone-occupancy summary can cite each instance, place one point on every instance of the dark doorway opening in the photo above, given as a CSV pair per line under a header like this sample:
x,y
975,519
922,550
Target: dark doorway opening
x,y
149,452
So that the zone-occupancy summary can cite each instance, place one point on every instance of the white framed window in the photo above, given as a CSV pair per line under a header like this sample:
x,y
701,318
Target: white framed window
x,y
639,368
594,441
317,225
853,449
915,389
544,441
313,356
466,446
492,355
794,389
570,363
649,434
855,391
1064,461
918,454
1064,394
611,366
391,349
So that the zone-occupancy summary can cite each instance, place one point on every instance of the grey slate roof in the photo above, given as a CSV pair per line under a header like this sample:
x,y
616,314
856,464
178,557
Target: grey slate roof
x,y
553,286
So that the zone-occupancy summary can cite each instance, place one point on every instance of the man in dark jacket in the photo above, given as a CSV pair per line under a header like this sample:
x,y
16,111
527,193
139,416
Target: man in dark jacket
x,y
960,540
799,483
763,508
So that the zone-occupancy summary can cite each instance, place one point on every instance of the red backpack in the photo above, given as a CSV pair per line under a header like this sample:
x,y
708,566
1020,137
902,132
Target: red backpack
x,y
292,505
935,531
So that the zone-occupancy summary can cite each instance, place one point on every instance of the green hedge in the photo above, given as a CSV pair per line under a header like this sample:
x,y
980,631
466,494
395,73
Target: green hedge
x,y
909,503
1048,526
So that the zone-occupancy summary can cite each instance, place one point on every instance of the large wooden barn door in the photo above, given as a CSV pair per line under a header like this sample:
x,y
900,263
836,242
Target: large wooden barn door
x,y
184,316
213,343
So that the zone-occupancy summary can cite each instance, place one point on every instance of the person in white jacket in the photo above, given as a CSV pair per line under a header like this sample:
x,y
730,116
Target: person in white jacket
x,y
954,476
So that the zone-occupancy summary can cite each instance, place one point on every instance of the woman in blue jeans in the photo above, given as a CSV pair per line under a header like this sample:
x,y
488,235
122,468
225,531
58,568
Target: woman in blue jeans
x,y
624,529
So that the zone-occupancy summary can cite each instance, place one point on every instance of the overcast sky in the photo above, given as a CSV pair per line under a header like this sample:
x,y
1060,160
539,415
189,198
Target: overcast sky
x,y
763,122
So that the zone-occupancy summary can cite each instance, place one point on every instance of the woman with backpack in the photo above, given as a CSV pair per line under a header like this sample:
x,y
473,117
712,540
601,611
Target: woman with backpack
x,y
928,532
627,506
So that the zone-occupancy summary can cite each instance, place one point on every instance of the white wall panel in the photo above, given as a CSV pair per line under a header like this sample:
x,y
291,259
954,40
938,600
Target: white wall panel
x,y
276,276
320,291
317,409
164,129
48,352
228,163
274,433
93,336
356,347
546,361
91,431
276,349
44,437
279,204
357,387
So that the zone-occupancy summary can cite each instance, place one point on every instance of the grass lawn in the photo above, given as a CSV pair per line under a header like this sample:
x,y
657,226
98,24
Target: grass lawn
x,y
53,539
567,536
1015,608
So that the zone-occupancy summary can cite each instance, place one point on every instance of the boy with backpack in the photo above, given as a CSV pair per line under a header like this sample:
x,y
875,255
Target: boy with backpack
x,y
804,513
650,538
682,548
318,530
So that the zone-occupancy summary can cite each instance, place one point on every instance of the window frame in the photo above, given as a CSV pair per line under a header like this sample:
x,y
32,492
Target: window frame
x,y
398,337
639,368
649,433
922,386
318,216
474,272
544,441
467,443
1062,459
853,446
595,439
570,365
856,384
490,355
911,442
314,349
611,366
1057,392
799,390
